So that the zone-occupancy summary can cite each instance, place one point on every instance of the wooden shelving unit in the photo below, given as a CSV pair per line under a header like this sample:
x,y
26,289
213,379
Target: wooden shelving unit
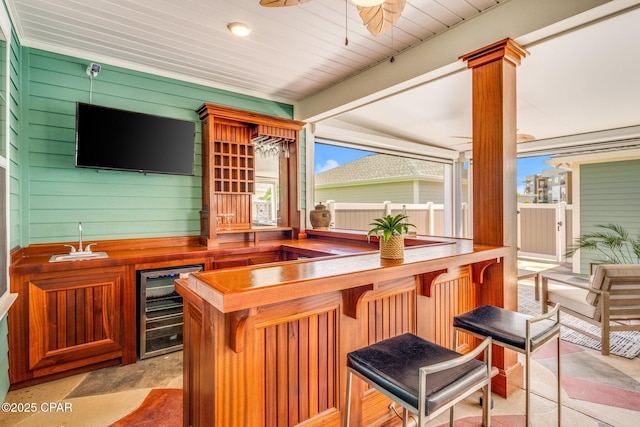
x,y
228,171
234,168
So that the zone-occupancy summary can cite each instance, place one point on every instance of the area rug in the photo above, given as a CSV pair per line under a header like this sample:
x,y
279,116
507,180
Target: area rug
x,y
161,408
623,343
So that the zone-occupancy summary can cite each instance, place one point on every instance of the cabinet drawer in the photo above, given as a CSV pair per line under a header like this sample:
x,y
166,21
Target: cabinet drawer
x,y
227,261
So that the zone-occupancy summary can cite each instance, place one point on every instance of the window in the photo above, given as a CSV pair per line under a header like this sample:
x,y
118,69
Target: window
x,y
264,203
361,185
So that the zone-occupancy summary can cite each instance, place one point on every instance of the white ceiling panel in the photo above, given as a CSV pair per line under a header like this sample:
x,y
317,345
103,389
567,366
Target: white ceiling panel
x,y
292,51
575,81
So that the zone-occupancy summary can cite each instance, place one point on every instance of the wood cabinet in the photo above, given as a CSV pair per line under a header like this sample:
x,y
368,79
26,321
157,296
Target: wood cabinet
x,y
78,316
228,167
70,320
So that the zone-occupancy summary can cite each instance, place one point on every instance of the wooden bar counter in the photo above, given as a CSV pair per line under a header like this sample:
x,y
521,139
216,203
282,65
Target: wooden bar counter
x,y
266,345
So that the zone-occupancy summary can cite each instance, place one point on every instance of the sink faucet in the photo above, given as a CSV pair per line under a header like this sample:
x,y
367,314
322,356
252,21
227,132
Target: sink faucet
x,y
80,243
86,250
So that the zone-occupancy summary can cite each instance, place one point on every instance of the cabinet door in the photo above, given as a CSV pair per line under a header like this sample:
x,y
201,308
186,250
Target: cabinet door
x,y
75,321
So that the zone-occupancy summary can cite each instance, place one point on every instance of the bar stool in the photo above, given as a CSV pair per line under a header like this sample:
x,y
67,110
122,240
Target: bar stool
x,y
424,378
515,331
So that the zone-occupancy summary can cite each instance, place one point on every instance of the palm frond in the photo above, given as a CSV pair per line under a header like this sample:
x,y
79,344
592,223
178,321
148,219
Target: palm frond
x,y
612,243
389,226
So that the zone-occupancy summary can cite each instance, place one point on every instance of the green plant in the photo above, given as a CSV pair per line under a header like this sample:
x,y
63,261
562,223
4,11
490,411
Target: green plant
x,y
267,195
390,226
614,244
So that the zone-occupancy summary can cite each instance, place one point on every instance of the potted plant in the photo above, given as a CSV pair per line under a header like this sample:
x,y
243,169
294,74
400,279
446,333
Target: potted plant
x,y
614,245
393,229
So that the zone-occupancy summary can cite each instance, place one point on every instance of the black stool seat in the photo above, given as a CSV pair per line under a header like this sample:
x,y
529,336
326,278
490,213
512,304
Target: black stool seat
x,y
505,326
393,365
515,331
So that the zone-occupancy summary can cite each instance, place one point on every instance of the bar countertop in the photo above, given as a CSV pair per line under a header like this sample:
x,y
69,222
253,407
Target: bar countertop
x,y
250,287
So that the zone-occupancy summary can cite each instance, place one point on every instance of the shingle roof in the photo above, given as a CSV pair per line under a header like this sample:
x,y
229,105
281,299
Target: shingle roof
x,y
379,167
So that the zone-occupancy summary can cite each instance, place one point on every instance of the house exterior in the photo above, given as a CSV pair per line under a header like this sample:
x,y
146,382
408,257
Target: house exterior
x,y
379,177
551,186
605,191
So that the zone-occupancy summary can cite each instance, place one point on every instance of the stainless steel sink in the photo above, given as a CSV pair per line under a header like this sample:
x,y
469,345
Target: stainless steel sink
x,y
78,256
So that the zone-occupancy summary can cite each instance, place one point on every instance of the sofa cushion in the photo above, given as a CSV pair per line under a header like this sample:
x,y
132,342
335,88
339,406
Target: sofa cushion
x,y
607,275
574,299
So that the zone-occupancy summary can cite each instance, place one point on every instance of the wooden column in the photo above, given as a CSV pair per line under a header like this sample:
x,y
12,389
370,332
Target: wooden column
x,y
494,184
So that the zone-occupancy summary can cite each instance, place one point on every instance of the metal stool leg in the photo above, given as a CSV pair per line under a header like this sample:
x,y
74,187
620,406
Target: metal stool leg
x,y
486,409
347,403
528,390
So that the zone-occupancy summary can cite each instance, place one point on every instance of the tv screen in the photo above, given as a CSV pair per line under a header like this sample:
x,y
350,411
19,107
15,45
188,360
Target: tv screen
x,y
108,138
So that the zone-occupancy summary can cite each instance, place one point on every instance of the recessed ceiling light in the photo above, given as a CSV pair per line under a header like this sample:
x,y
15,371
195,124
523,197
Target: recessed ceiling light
x,y
239,29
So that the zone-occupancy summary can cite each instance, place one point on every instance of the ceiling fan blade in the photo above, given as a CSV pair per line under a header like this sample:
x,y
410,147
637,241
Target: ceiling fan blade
x,y
379,19
525,137
281,3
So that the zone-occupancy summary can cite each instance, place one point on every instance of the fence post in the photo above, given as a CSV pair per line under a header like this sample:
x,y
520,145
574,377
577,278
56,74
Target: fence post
x,y
331,206
561,236
387,207
465,220
431,226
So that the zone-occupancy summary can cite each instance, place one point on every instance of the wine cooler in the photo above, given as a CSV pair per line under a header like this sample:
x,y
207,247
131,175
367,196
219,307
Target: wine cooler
x,y
160,310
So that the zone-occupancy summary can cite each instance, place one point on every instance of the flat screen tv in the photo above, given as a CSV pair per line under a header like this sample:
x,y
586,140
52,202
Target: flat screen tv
x,y
108,138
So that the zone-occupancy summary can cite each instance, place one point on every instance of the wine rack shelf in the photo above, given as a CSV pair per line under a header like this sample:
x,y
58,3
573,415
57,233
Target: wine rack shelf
x,y
234,168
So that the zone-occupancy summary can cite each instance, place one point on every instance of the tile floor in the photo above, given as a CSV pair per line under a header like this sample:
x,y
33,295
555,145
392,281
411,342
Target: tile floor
x,y
598,391
98,398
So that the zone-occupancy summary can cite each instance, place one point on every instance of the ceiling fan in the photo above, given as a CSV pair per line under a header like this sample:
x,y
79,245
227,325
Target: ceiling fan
x,y
377,15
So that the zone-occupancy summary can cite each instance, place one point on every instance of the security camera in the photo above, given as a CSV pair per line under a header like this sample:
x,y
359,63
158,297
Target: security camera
x,y
93,69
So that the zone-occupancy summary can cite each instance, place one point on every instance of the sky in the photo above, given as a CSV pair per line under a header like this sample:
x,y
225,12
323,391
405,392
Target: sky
x,y
330,156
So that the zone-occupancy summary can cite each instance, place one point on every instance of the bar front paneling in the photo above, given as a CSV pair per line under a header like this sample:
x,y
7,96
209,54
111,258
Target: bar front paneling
x,y
284,363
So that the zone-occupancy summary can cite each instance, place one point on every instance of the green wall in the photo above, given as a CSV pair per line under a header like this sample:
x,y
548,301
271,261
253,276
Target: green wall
x,y
609,193
14,162
55,195
14,144
49,196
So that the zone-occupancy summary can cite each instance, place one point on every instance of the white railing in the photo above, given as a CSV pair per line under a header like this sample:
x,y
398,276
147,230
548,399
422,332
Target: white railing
x,y
544,230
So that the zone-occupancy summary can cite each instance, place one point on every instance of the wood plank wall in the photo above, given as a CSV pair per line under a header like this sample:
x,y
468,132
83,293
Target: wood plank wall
x,y
55,195
609,193
15,151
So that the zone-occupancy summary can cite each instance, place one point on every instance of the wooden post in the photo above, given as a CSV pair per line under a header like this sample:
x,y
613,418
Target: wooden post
x,y
494,184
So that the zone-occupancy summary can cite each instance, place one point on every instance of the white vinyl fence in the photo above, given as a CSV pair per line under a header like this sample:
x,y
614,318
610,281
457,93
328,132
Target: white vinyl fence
x,y
428,217
544,230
